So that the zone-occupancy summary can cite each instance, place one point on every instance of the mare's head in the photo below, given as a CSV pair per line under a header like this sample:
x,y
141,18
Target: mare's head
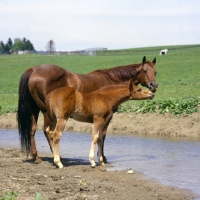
x,y
138,93
147,74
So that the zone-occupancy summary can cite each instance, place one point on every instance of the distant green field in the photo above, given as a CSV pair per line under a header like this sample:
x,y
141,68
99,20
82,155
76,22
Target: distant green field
x,y
178,72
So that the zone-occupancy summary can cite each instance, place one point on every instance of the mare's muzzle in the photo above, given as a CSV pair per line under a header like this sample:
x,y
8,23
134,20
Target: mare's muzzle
x,y
153,86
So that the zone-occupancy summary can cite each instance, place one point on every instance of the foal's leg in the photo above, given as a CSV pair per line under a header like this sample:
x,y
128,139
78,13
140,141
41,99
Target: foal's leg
x,y
95,131
47,123
97,124
56,138
49,132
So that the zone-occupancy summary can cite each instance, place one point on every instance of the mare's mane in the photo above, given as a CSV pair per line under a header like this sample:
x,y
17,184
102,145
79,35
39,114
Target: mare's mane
x,y
120,73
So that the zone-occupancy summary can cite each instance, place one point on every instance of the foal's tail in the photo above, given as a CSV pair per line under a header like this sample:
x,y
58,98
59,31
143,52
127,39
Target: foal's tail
x,y
24,111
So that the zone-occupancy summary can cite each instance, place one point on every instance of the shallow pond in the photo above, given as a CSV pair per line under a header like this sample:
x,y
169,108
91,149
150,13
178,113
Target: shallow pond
x,y
171,161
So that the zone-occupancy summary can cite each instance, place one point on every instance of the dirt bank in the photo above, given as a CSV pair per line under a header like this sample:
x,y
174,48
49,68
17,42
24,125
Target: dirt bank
x,y
131,123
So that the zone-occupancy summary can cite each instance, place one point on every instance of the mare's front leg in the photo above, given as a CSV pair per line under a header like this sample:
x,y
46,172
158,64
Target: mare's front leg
x,y
97,124
56,138
103,133
100,148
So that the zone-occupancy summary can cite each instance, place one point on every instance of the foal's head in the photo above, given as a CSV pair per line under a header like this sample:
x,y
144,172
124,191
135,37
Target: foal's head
x,y
138,93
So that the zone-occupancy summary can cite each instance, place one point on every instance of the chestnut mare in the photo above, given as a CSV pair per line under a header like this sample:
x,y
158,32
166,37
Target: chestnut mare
x,y
94,107
38,81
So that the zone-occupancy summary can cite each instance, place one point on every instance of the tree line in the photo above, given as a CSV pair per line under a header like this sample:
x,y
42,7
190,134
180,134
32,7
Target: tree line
x,y
17,45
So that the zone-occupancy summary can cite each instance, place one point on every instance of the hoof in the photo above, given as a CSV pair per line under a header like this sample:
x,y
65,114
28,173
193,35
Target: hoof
x,y
60,166
93,165
101,161
105,159
38,161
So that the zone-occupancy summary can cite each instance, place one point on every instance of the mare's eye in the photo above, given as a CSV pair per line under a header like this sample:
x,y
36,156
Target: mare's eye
x,y
144,71
139,89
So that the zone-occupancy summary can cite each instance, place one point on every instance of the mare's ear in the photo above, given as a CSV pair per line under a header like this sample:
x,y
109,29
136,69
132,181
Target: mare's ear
x,y
154,61
143,60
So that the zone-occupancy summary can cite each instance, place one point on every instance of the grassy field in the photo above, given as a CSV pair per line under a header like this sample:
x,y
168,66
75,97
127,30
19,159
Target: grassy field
x,y
178,75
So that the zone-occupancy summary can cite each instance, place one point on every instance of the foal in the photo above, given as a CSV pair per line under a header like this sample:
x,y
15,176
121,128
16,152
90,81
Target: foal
x,y
92,107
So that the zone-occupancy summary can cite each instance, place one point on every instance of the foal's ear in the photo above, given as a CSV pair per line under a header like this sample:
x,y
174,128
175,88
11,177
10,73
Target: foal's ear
x,y
130,84
154,61
143,60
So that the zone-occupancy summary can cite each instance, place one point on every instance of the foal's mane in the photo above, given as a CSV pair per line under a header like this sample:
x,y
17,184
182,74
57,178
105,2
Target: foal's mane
x,y
108,88
120,73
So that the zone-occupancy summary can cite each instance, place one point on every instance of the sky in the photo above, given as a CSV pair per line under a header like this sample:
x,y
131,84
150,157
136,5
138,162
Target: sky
x,y
112,24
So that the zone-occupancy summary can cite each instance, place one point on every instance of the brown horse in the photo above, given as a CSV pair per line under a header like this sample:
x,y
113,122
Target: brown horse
x,y
37,82
94,107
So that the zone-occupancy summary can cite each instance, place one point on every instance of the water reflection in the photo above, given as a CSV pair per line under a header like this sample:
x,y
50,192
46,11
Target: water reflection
x,y
172,161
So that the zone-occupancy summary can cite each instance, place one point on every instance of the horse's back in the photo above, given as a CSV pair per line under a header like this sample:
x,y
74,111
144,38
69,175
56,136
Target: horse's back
x,y
48,74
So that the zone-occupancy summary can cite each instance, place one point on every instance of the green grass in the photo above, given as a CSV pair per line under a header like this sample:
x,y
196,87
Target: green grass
x,y
178,73
9,195
12,195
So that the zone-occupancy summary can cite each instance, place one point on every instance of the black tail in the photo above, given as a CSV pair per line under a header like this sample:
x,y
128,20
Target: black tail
x,y
24,111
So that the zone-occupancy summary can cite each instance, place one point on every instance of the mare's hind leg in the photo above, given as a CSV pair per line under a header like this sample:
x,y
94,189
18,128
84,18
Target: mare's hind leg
x,y
33,130
60,125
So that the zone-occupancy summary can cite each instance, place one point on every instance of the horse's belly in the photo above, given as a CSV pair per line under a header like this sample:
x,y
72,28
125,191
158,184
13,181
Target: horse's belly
x,y
81,117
